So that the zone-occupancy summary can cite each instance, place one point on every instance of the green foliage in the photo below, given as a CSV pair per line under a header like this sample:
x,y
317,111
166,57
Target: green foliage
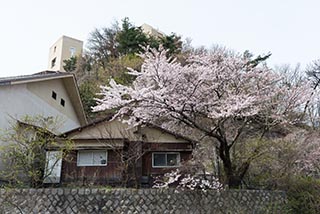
x,y
88,91
257,60
118,68
130,39
70,64
274,165
173,43
27,142
276,168
303,195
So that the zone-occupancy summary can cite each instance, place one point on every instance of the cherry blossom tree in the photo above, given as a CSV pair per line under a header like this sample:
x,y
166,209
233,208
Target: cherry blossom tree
x,y
221,95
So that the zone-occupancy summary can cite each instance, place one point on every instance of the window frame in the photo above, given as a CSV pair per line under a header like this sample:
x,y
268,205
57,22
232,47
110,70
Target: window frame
x,y
166,158
92,152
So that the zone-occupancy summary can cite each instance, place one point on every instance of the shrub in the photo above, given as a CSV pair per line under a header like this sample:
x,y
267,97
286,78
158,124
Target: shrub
x,y
303,195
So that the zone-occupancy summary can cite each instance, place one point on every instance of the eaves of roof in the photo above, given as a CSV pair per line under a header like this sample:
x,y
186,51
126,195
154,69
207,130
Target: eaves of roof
x,y
45,75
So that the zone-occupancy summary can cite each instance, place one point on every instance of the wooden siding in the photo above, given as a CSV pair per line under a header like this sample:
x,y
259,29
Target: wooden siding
x,y
113,173
86,175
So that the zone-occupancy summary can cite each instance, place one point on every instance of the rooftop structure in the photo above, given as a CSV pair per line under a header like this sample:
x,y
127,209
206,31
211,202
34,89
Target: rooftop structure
x,y
149,30
63,49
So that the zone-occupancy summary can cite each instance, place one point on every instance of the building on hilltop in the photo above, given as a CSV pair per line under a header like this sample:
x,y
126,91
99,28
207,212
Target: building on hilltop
x,y
149,30
64,48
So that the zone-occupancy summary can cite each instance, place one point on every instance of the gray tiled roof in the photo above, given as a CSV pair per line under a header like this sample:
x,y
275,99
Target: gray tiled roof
x,y
40,75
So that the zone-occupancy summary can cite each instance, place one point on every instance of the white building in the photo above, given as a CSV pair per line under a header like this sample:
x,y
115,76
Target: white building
x,y
64,48
48,94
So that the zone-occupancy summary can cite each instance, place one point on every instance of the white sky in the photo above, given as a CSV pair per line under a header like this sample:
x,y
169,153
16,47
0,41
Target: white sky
x,y
289,29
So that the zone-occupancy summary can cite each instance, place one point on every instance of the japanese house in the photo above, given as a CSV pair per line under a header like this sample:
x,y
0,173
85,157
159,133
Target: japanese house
x,y
112,152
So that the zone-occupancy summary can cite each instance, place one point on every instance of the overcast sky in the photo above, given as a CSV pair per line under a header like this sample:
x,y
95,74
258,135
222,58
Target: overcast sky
x,y
289,29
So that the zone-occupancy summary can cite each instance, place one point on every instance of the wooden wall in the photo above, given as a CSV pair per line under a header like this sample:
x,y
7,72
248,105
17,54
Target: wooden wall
x,y
86,175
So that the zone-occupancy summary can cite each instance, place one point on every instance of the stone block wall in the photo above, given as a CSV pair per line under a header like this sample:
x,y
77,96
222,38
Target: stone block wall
x,y
66,200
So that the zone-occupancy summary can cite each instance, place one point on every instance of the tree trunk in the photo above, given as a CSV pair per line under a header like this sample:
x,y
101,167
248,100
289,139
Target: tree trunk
x,y
232,178
234,181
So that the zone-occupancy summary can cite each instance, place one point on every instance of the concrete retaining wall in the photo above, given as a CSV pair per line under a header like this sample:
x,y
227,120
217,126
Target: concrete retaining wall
x,y
63,200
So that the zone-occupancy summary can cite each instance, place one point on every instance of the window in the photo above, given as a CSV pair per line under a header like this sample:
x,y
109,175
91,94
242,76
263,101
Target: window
x,y
62,102
92,158
54,95
53,62
165,159
72,51
54,49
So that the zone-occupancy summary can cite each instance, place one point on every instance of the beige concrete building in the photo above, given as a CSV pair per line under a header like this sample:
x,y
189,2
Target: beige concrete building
x,y
149,30
64,48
